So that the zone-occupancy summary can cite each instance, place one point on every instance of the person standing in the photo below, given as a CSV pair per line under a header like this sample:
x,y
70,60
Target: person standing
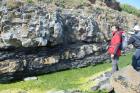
x,y
114,49
135,41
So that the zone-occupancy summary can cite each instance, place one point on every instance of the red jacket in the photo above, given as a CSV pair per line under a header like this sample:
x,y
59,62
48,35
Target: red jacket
x,y
114,47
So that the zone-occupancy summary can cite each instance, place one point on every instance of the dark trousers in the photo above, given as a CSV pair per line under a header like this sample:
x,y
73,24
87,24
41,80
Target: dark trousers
x,y
115,64
136,60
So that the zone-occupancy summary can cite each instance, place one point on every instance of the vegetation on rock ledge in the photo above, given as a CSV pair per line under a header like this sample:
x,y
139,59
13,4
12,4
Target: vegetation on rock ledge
x,y
130,9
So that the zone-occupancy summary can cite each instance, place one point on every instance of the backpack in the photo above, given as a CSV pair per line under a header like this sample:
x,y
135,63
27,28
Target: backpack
x,y
124,42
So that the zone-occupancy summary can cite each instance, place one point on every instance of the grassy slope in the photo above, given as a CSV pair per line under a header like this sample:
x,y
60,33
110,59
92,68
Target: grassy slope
x,y
61,3
61,80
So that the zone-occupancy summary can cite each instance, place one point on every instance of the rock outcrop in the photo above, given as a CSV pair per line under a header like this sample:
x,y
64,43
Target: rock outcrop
x,y
126,80
19,63
35,40
32,26
102,82
113,4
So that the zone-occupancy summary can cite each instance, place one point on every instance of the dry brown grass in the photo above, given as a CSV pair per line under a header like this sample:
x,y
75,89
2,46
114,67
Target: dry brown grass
x,y
60,3
15,3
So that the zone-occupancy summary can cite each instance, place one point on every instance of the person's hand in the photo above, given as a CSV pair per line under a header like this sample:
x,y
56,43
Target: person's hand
x,y
112,55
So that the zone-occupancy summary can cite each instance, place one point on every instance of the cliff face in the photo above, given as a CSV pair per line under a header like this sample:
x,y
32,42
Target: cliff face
x,y
35,40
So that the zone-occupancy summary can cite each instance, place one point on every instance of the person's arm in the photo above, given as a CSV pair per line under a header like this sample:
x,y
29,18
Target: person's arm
x,y
131,40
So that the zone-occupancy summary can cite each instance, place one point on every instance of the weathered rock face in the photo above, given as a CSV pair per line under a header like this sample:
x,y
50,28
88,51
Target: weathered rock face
x,y
103,82
32,26
126,81
113,4
92,1
24,62
34,40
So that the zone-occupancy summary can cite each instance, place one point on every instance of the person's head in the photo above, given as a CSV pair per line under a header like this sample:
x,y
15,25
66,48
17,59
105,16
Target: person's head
x,y
115,28
136,28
